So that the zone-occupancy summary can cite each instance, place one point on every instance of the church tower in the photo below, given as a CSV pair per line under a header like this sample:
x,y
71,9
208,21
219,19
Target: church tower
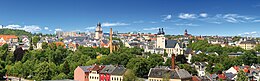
x,y
160,41
186,32
98,32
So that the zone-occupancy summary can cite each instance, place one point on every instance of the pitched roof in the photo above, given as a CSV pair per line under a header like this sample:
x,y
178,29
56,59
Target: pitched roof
x,y
86,68
171,43
6,37
248,42
108,69
183,74
174,74
113,70
119,71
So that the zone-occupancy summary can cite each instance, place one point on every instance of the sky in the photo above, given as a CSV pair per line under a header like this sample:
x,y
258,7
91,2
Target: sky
x,y
199,17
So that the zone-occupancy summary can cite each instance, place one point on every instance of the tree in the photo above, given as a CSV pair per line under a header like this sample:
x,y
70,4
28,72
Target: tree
x,y
249,57
60,77
45,71
155,60
35,39
139,66
18,54
241,76
44,45
129,76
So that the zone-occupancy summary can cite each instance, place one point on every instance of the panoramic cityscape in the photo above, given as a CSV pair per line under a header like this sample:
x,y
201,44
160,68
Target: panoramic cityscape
x,y
129,40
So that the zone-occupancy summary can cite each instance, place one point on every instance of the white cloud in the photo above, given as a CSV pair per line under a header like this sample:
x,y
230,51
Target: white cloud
x,y
186,24
152,28
46,28
32,28
106,24
50,30
256,21
58,29
235,18
204,15
167,17
187,16
253,33
29,28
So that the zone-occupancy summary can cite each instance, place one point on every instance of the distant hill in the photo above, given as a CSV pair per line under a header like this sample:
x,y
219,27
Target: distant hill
x,y
14,32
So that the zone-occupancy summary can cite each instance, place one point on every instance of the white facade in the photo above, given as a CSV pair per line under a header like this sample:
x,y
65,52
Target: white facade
x,y
93,76
160,41
116,78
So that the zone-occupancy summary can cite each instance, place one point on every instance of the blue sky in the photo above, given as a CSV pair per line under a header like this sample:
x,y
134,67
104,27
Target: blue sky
x,y
200,17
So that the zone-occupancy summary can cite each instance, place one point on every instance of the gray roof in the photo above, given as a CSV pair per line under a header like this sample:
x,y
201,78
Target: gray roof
x,y
248,42
119,71
113,70
108,69
184,74
105,41
85,68
174,74
171,43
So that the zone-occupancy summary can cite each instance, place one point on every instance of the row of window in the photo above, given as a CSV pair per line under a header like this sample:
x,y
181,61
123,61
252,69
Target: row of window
x,y
116,79
154,80
93,77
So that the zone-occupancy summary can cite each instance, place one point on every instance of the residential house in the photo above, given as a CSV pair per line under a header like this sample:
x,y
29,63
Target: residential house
x,y
247,45
161,74
112,73
81,73
94,73
8,39
200,68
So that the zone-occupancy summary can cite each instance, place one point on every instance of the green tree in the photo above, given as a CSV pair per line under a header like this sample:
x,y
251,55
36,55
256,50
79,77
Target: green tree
x,y
129,76
60,76
241,76
139,66
45,71
35,40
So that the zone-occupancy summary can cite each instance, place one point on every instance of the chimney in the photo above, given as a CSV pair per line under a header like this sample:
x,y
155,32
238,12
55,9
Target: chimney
x,y
110,44
173,61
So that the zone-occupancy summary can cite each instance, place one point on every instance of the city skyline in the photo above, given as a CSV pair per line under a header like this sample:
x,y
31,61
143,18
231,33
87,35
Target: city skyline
x,y
224,18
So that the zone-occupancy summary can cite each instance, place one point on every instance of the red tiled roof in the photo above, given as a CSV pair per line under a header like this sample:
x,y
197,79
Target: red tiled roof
x,y
195,78
222,76
6,37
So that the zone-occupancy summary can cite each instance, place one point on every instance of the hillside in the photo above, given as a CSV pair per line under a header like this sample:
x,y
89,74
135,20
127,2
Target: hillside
x,y
14,32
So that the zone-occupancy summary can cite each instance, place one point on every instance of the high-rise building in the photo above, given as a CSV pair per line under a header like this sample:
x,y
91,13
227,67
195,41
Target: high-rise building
x,y
98,32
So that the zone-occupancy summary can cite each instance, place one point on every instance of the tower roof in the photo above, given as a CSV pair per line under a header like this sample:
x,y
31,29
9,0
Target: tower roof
x,y
98,28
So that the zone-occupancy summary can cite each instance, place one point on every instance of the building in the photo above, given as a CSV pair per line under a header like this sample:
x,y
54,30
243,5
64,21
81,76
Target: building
x,y
81,73
170,46
174,47
87,73
112,73
200,68
8,39
160,41
98,32
163,73
94,73
247,45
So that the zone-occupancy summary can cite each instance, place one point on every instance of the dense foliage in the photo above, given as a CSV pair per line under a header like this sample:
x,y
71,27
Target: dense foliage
x,y
14,32
56,62
221,61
